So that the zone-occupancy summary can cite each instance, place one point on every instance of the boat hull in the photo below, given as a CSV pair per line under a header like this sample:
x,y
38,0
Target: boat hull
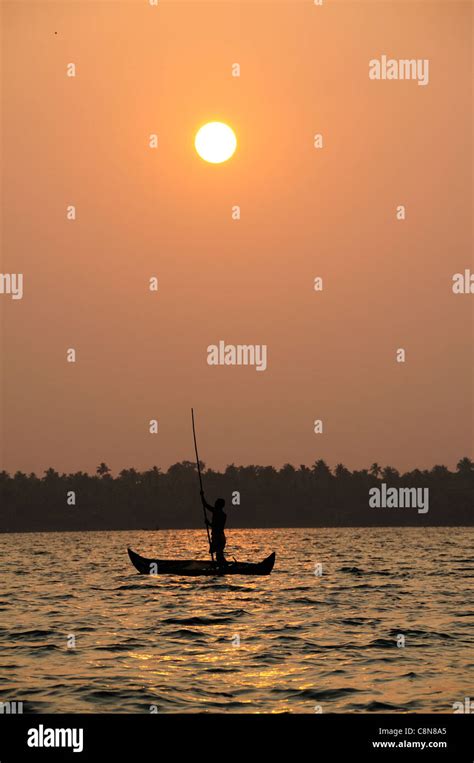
x,y
193,567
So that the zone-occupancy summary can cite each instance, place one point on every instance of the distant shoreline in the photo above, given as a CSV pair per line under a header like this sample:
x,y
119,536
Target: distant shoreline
x,y
255,497
231,529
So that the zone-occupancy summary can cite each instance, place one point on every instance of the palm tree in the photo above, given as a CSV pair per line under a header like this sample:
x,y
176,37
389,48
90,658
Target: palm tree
x,y
321,469
49,475
390,474
130,476
439,470
375,470
103,470
465,466
341,471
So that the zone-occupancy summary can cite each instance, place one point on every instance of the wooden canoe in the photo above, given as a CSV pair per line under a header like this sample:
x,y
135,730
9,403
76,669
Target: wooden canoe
x,y
199,567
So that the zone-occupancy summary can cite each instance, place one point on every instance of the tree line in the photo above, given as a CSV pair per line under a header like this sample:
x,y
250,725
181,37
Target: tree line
x,y
256,496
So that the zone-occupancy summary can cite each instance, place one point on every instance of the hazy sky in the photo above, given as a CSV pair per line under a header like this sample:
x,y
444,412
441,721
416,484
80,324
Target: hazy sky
x,y
305,212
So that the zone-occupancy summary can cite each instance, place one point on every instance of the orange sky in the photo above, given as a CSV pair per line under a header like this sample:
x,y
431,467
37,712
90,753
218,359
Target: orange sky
x,y
304,213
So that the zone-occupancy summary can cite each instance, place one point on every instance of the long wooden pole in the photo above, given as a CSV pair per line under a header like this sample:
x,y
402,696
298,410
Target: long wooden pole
x,y
200,483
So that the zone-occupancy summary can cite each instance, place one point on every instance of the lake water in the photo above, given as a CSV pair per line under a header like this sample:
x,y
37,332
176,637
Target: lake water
x,y
306,641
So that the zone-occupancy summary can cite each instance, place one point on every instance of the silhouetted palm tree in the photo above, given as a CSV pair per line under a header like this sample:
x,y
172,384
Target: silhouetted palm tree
x,y
341,472
321,470
465,466
389,474
129,477
50,475
439,470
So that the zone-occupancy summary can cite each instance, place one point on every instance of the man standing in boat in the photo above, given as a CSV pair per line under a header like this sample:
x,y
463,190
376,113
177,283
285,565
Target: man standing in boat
x,y
218,539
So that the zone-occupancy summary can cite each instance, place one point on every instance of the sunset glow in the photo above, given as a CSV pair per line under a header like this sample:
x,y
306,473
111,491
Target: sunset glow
x,y
215,142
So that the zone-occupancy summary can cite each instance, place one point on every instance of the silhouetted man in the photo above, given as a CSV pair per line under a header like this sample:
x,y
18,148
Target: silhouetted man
x,y
218,539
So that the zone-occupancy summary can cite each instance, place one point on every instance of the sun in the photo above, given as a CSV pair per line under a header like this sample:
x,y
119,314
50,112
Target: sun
x,y
215,142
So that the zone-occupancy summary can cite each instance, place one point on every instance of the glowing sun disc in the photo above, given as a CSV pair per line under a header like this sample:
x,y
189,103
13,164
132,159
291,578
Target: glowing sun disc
x,y
215,142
